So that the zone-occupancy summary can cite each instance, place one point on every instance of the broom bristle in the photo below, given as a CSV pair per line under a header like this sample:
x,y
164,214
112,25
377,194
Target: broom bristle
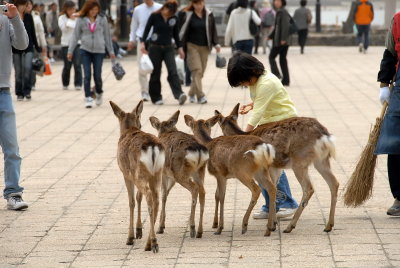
x,y
359,187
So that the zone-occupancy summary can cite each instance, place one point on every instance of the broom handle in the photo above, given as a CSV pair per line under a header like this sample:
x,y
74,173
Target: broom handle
x,y
383,111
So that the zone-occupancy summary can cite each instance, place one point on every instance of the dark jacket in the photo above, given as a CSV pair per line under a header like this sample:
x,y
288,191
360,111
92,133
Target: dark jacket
x,y
389,60
281,30
163,31
211,31
30,30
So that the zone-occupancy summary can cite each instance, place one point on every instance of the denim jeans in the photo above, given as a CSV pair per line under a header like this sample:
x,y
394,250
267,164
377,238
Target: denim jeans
x,y
158,54
284,197
76,62
244,45
23,73
363,30
96,59
9,144
282,52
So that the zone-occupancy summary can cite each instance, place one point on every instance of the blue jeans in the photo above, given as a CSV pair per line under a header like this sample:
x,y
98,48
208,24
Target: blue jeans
x,y
244,45
88,59
23,73
9,144
363,30
284,197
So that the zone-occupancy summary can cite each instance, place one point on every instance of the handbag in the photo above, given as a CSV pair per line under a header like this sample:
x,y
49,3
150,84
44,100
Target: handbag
x,y
118,70
38,64
292,26
220,62
253,27
146,66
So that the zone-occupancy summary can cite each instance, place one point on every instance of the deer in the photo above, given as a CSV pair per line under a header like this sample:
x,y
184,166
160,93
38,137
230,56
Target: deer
x,y
141,158
185,163
299,142
246,158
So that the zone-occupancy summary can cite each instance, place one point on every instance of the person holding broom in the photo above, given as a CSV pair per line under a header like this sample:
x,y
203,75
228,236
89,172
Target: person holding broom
x,y
389,138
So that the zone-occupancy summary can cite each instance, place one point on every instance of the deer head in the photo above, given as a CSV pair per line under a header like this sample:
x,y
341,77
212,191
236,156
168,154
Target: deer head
x,y
229,123
165,126
128,120
201,128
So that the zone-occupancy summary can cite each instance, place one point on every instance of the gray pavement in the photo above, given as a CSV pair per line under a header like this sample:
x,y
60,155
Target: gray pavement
x,y
78,214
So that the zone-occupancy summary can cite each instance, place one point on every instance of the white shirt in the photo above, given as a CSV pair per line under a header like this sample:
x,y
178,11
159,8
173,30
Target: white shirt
x,y
141,14
67,27
39,29
238,25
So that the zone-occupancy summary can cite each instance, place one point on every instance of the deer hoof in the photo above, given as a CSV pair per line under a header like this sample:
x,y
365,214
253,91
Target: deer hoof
x,y
192,231
139,233
160,230
147,247
199,235
267,232
244,230
289,229
328,228
215,225
154,246
219,231
130,241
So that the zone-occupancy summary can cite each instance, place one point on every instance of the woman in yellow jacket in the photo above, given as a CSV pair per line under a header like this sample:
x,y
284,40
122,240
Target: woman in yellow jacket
x,y
271,103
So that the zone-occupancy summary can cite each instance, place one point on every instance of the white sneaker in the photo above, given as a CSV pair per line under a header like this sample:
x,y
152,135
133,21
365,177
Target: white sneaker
x,y
89,102
192,99
202,100
52,60
260,215
282,213
394,210
360,47
99,99
15,202
65,87
182,99
78,88
145,96
159,102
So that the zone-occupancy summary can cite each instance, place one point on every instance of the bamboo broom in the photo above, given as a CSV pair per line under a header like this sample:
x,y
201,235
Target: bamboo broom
x,y
359,187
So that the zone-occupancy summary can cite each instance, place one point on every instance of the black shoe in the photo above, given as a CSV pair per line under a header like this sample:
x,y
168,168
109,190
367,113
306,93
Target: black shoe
x,y
20,98
28,97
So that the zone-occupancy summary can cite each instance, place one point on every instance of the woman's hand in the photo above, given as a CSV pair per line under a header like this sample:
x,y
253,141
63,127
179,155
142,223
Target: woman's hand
x,y
181,53
69,56
244,109
218,48
12,11
44,51
112,56
143,48
283,43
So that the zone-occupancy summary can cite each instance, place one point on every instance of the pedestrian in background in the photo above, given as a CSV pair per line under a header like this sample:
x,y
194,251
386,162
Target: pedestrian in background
x,y
267,15
238,28
363,16
303,17
199,36
141,14
257,36
280,42
67,24
52,28
23,58
12,35
93,31
40,33
165,27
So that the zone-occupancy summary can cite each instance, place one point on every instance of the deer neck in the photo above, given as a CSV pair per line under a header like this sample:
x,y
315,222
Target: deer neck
x,y
233,129
202,136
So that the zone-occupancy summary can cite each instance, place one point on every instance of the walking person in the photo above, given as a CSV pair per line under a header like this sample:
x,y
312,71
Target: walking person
x,y
389,138
67,24
23,58
270,103
363,16
141,14
257,36
199,36
303,17
280,42
12,34
93,31
267,15
52,28
238,28
40,33
165,27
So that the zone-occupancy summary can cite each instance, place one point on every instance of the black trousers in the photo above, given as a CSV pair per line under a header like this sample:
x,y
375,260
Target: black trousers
x,y
393,164
158,54
282,52
66,71
302,37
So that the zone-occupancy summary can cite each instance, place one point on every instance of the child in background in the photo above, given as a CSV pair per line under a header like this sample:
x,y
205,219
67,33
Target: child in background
x,y
271,103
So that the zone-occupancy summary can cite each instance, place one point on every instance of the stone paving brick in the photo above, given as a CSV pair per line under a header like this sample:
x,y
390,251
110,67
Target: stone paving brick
x,y
78,214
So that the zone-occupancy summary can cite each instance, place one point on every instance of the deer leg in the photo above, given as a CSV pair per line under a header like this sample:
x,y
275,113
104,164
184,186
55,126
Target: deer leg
x,y
221,195
131,191
150,208
167,185
215,222
139,225
255,193
194,190
304,180
202,198
323,167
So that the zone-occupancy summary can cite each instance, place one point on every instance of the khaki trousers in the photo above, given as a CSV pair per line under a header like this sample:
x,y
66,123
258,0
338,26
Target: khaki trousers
x,y
197,57
144,84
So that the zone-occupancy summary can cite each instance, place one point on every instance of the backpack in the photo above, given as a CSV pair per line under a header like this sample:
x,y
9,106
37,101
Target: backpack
x,y
269,19
292,26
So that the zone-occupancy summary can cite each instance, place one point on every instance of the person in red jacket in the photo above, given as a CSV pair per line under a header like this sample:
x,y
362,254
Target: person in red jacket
x,y
363,16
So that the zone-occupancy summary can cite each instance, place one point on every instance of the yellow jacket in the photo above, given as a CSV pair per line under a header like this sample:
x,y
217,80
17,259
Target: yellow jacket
x,y
271,101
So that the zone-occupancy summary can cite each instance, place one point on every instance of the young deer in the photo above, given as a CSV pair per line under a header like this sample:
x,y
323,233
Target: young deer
x,y
141,158
239,157
299,142
185,163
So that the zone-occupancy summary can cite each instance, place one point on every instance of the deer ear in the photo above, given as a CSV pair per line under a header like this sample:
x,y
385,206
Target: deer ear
x,y
216,112
155,122
174,118
212,121
235,112
117,111
189,120
139,108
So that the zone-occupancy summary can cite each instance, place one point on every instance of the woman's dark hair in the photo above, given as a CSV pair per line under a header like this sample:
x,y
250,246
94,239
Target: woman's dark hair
x,y
171,5
190,7
20,2
283,3
88,6
253,4
67,5
242,67
242,3
303,3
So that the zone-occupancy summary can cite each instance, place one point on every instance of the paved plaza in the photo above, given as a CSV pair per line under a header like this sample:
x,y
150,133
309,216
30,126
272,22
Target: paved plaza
x,y
78,206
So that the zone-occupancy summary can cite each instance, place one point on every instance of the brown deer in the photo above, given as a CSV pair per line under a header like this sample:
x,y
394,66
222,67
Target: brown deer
x,y
243,157
185,163
299,142
141,158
